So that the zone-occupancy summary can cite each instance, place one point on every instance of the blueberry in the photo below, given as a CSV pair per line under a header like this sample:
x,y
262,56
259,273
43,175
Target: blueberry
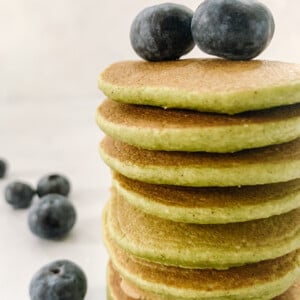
x,y
162,32
52,217
59,280
53,184
19,194
3,168
233,29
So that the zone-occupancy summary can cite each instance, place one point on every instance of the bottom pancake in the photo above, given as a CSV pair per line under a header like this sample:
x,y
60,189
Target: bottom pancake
x,y
119,289
259,281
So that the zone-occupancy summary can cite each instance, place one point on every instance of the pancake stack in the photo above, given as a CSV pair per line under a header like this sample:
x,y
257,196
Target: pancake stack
x,y
205,158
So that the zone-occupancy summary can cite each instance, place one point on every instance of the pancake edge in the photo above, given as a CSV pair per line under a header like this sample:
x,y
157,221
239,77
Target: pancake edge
x,y
276,287
199,176
208,139
227,103
202,257
208,215
111,273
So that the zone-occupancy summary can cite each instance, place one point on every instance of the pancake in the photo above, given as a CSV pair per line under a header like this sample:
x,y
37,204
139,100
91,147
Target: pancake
x,y
212,205
211,85
154,128
116,288
260,281
131,292
200,246
292,294
249,167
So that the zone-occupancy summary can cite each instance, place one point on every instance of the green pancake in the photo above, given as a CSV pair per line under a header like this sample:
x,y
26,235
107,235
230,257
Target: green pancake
x,y
154,128
116,290
121,289
249,167
292,293
212,85
200,246
213,205
260,281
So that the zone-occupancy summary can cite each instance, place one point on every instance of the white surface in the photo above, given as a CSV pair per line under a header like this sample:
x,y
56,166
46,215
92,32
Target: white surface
x,y
38,138
57,48
51,55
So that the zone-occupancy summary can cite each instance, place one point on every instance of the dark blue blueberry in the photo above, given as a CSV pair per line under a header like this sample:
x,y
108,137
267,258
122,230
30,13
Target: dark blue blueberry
x,y
53,184
59,280
3,168
233,29
19,194
162,32
52,217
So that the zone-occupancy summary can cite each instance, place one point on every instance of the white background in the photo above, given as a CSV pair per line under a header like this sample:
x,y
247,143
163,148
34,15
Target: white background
x,y
51,53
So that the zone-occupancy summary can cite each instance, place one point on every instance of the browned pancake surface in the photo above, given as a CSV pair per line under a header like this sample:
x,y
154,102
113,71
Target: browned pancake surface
x,y
155,117
292,294
206,279
130,154
114,283
209,197
132,223
115,280
202,75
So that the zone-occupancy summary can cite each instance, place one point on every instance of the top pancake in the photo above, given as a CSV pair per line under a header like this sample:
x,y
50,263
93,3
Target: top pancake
x,y
209,85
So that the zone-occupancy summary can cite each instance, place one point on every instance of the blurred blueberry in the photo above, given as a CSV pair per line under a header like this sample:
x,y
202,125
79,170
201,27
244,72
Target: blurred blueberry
x,y
162,32
3,168
52,217
19,194
59,280
233,29
53,184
